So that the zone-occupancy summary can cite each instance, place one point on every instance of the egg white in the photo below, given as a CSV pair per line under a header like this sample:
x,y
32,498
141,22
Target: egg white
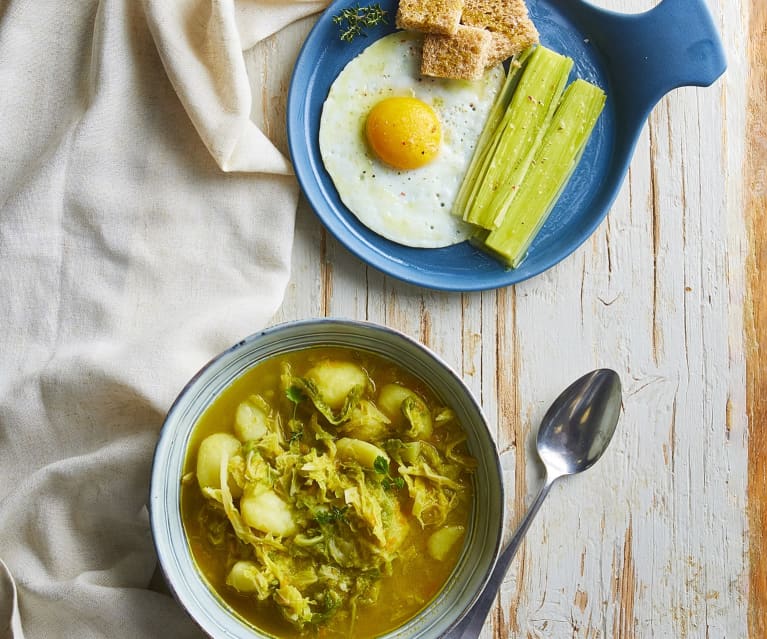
x,y
410,207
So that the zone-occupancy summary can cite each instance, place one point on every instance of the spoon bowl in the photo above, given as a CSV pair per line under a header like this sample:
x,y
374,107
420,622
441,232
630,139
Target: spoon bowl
x,y
573,434
579,425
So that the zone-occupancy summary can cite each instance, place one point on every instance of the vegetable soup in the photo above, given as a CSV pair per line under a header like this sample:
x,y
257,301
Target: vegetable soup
x,y
327,493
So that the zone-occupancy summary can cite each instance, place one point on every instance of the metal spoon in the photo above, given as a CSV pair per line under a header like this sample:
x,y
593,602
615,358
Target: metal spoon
x,y
573,435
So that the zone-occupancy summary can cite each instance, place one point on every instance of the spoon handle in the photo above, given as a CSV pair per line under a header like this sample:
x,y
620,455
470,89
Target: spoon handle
x,y
471,625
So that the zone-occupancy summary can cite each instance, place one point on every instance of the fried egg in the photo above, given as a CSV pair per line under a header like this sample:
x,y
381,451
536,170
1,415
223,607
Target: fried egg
x,y
396,144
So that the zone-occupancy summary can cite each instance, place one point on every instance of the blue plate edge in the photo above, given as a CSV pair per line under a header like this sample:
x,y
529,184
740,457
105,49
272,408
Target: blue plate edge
x,y
371,255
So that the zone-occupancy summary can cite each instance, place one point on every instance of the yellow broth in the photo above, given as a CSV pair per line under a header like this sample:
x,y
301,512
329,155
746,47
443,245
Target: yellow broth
x,y
416,577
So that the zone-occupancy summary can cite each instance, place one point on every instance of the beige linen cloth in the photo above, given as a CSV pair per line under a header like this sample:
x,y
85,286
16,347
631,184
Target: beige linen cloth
x,y
145,225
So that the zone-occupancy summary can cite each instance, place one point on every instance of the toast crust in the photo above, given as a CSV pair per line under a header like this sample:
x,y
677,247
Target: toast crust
x,y
460,56
429,16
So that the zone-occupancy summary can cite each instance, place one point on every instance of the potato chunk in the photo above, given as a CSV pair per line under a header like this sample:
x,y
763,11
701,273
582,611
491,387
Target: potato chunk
x,y
362,452
390,399
250,421
398,403
442,541
397,529
418,415
264,510
335,380
212,450
246,576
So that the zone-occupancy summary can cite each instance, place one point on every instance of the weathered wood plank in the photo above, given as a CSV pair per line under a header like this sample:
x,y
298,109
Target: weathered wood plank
x,y
756,316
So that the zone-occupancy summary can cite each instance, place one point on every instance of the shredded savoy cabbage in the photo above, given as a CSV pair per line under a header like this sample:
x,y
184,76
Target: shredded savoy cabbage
x,y
312,498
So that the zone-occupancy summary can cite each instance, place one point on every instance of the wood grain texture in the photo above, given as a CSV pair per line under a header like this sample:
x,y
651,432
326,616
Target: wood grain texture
x,y
653,542
756,317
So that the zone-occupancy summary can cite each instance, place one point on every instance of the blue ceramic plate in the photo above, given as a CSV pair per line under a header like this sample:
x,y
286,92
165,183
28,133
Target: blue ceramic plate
x,y
636,59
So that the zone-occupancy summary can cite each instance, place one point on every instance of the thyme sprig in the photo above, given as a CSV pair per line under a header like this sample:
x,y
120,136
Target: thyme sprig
x,y
353,21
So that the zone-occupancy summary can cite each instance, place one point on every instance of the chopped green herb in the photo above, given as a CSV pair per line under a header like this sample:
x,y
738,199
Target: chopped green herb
x,y
329,516
353,21
381,466
397,483
328,602
295,394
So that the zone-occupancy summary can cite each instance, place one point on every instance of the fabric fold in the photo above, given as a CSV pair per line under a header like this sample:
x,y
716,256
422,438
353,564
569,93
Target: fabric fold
x,y
10,623
200,43
258,19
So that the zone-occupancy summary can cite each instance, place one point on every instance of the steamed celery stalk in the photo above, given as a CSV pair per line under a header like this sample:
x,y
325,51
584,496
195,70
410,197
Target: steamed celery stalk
x,y
520,132
488,139
558,155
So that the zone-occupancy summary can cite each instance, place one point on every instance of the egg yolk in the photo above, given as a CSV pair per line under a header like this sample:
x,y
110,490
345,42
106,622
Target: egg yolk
x,y
403,132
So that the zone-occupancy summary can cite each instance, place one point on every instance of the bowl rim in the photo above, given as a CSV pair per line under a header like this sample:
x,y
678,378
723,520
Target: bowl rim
x,y
163,538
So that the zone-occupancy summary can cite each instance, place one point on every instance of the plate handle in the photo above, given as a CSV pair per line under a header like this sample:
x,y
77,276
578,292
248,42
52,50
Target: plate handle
x,y
648,54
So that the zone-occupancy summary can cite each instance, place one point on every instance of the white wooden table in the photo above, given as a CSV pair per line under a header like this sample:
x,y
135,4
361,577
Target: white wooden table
x,y
664,537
